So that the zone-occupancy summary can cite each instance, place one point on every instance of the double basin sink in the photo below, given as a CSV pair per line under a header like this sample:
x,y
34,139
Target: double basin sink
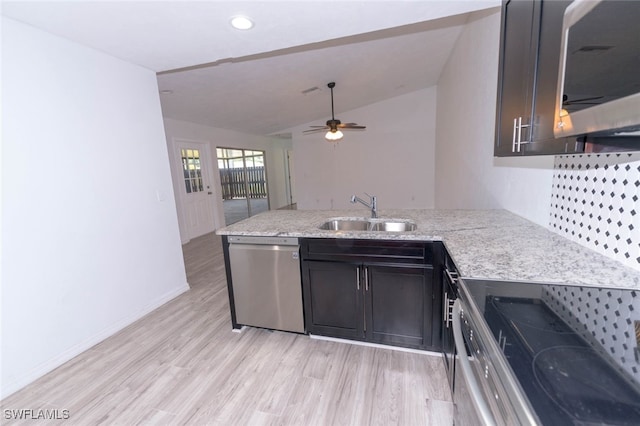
x,y
364,224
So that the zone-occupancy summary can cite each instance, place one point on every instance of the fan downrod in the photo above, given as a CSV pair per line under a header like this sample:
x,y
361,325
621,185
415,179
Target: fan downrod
x,y
331,86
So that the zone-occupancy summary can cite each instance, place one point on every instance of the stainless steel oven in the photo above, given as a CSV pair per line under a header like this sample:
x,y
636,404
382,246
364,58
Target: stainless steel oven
x,y
530,354
485,392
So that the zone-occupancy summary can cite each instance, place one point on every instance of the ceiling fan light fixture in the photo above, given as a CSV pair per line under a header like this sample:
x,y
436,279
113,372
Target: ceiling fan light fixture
x,y
333,135
333,125
240,22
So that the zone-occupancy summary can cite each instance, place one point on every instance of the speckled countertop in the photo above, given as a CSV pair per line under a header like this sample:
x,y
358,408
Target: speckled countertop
x,y
484,244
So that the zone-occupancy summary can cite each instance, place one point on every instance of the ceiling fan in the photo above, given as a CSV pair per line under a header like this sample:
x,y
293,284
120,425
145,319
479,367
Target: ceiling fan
x,y
333,126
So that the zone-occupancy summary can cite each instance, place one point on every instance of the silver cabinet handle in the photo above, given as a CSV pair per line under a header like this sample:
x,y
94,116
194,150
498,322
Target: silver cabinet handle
x,y
517,141
448,303
502,340
445,310
358,278
366,278
474,390
519,132
453,276
513,140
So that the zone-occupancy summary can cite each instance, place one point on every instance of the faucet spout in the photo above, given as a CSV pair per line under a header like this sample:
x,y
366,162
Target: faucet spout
x,y
372,204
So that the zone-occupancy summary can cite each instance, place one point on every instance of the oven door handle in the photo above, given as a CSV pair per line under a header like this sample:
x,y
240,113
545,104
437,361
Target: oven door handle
x,y
474,389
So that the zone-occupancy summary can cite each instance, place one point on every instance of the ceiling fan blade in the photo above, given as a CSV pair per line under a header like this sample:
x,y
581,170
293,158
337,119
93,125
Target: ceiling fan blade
x,y
315,130
567,101
321,127
351,126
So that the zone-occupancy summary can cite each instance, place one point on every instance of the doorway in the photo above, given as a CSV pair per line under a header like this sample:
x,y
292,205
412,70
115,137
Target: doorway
x,y
196,188
243,178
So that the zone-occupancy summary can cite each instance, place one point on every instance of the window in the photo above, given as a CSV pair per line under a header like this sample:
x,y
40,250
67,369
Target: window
x,y
192,170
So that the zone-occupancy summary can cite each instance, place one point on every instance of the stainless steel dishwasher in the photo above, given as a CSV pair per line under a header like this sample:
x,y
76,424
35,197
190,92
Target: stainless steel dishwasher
x,y
265,274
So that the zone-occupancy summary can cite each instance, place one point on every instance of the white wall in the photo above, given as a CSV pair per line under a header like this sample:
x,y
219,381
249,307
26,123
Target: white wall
x,y
275,152
87,246
392,159
468,176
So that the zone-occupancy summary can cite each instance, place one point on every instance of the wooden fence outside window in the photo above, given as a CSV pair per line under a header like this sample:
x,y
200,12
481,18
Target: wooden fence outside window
x,y
233,183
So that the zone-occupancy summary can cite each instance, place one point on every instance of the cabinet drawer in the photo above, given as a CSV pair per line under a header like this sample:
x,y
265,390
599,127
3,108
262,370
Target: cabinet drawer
x,y
383,251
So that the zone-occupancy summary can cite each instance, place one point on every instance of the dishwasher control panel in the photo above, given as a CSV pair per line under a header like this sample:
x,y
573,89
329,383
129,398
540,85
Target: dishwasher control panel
x,y
278,241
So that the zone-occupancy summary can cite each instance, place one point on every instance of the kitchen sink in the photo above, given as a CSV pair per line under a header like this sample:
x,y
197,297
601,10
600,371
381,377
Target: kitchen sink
x,y
393,226
346,225
362,224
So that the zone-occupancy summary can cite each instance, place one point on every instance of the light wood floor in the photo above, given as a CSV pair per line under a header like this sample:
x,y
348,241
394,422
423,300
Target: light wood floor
x,y
182,364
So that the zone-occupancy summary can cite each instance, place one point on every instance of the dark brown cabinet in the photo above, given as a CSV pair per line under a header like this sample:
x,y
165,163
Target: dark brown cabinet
x,y
333,299
398,305
374,291
527,79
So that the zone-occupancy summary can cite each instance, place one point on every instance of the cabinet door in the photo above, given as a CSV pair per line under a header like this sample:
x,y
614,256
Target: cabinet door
x,y
398,305
448,344
333,299
516,72
528,79
546,84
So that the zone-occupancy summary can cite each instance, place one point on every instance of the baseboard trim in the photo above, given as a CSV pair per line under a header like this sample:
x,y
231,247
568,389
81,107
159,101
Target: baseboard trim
x,y
375,345
7,389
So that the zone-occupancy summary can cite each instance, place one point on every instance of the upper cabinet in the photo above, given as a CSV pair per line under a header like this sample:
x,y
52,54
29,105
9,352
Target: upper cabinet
x,y
527,79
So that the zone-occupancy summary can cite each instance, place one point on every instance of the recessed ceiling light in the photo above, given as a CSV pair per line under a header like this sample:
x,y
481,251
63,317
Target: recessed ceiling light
x,y
240,22
166,92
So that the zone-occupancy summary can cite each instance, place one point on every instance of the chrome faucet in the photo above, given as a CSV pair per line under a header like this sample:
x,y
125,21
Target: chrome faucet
x,y
372,204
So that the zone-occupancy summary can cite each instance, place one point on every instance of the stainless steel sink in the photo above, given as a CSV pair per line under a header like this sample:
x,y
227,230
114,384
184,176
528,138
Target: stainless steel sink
x,y
346,225
376,225
393,226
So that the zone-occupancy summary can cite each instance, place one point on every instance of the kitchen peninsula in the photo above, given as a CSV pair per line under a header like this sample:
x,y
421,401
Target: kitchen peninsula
x,y
455,281
484,244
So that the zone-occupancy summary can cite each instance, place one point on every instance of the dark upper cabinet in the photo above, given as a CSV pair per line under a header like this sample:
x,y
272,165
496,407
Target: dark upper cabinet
x,y
527,79
515,72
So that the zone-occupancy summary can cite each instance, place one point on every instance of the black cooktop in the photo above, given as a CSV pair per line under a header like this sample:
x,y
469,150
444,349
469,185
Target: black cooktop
x,y
568,380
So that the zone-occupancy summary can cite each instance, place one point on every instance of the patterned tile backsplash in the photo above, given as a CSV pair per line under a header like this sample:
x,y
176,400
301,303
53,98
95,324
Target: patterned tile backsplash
x,y
604,318
595,201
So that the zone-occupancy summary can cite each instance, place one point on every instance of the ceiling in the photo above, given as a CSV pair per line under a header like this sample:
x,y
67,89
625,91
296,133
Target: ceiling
x,y
253,81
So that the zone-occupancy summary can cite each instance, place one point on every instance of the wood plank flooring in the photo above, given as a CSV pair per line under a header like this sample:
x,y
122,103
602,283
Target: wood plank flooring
x,y
182,364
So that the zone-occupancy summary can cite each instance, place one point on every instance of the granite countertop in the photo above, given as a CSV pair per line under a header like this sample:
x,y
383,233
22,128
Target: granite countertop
x,y
484,244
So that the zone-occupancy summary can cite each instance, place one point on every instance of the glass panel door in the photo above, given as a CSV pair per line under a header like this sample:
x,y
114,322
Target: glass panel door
x,y
244,183
197,198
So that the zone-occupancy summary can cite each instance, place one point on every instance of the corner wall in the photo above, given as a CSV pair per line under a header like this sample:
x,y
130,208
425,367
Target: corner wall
x,y
467,174
90,239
